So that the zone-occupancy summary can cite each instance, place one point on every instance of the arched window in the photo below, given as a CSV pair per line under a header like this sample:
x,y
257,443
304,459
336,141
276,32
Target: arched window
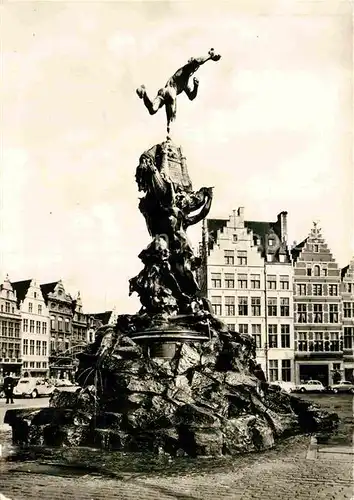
x,y
316,270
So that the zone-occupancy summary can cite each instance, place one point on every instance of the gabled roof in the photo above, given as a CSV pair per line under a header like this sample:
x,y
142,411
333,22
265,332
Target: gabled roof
x,y
21,289
213,226
48,288
260,228
295,251
343,271
104,316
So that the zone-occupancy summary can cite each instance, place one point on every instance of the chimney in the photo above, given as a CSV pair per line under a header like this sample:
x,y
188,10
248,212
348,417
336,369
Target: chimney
x,y
241,214
283,224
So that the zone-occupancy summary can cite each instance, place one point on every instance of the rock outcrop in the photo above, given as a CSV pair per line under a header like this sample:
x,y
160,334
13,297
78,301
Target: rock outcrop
x,y
206,400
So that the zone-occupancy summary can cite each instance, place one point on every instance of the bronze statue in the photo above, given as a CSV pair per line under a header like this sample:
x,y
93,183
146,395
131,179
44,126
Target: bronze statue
x,y
175,85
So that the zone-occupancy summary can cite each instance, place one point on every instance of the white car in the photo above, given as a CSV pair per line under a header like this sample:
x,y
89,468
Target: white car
x,y
33,387
310,386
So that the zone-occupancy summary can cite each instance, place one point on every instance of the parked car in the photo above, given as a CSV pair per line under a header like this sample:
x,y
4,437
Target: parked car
x,y
66,385
343,386
310,386
33,387
285,386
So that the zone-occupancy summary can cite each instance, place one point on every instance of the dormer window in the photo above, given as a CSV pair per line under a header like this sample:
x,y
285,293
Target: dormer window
x,y
315,248
281,258
234,238
316,271
271,242
258,241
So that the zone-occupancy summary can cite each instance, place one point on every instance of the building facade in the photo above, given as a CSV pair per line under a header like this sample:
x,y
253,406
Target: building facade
x,y
10,337
60,306
35,328
247,276
347,293
317,303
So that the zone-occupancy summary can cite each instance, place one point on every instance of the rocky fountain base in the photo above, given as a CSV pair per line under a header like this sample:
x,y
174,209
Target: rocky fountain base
x,y
205,400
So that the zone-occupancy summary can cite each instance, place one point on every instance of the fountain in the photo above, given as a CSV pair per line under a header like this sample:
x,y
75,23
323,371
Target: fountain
x,y
171,378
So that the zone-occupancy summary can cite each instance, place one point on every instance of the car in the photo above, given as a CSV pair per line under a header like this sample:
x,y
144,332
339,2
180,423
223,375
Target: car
x,y
285,386
343,386
65,385
310,386
33,387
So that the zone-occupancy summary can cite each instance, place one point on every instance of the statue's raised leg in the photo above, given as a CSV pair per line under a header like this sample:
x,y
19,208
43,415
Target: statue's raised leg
x,y
152,106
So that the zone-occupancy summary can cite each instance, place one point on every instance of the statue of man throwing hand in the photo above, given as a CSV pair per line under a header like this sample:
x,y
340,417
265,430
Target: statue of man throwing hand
x,y
177,84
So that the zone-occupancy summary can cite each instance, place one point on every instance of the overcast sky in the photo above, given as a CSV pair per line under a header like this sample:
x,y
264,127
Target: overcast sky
x,y
271,128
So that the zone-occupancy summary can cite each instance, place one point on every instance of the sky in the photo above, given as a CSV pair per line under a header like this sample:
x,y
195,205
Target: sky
x,y
271,128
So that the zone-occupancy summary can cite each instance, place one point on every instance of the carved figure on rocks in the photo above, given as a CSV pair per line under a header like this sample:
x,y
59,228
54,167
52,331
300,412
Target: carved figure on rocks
x,y
178,83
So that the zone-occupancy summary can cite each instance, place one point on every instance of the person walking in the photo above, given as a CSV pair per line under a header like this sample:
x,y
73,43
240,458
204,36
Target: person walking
x,y
9,384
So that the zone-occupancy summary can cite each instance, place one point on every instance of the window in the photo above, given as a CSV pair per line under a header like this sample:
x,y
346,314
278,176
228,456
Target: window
x,y
25,347
255,281
17,351
52,346
31,364
39,309
52,322
285,336
335,341
271,242
38,347
31,325
302,342
60,324
25,325
317,313
243,306
324,271
17,330
333,290
256,306
317,289
242,258
229,257
44,364
349,287
30,307
316,271
25,364
215,280
229,306
333,313
216,305
256,333
309,271
284,306
67,324
234,238
301,289
231,327
38,364
315,248
31,351
7,307
273,370
13,310
4,328
272,306
348,309
301,313
272,282
286,370
272,336
44,328
243,328
11,329
38,327
229,280
284,282
44,348
348,337
242,280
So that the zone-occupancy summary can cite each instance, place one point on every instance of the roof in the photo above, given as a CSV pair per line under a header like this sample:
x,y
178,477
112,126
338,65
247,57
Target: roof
x,y
21,289
213,226
260,228
104,316
295,251
344,271
48,288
